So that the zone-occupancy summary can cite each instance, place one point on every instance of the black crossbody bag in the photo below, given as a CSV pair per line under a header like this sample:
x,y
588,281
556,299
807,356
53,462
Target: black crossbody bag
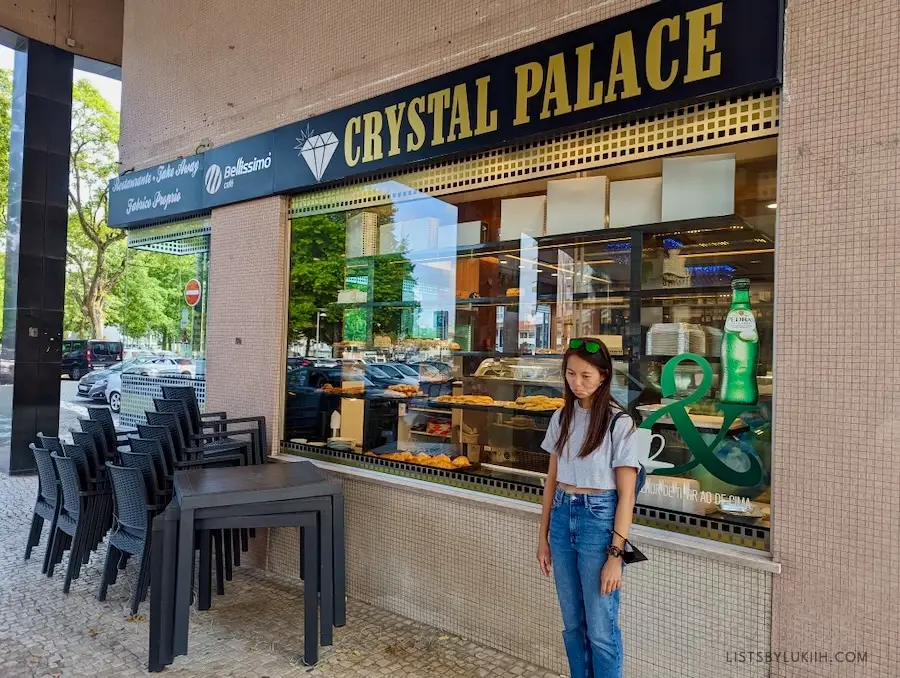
x,y
635,555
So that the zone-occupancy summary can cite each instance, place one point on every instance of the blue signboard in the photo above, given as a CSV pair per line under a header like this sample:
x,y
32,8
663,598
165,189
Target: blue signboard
x,y
655,58
168,190
238,171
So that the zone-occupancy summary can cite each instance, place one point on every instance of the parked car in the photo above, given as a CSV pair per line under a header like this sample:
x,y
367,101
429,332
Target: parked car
x,y
308,409
93,384
80,356
164,366
113,391
383,378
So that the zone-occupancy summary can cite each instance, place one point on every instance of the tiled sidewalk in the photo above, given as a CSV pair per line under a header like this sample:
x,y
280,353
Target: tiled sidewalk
x,y
254,631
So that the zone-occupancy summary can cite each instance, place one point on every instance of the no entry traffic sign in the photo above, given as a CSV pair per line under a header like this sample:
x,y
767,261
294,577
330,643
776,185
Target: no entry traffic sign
x,y
192,292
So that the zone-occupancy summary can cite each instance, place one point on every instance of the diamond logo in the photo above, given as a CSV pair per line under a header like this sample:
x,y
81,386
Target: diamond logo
x,y
317,150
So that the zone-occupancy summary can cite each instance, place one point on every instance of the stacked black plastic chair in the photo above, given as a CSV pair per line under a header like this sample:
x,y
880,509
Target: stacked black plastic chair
x,y
130,531
187,455
103,415
219,423
98,433
76,520
141,458
213,444
47,505
93,479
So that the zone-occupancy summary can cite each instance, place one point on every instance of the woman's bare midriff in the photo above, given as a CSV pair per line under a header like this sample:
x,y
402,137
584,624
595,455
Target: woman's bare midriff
x,y
571,489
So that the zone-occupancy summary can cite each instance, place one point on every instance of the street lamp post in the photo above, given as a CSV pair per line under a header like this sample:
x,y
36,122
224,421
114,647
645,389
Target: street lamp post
x,y
319,315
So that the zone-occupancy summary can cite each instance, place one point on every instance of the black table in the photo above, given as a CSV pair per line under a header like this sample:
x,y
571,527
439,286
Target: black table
x,y
203,498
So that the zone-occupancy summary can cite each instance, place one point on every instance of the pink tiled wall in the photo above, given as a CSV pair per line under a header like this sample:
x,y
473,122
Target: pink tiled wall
x,y
836,486
247,303
224,70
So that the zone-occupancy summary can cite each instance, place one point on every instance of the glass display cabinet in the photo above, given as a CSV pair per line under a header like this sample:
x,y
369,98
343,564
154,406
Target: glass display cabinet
x,y
446,334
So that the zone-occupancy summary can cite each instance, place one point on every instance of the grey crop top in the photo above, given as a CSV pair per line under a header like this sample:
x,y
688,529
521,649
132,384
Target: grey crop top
x,y
596,469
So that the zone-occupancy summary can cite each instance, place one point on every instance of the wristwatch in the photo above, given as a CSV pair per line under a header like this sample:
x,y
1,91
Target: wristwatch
x,y
614,551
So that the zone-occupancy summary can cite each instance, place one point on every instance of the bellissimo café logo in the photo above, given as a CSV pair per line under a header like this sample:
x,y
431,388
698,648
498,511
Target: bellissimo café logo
x,y
466,109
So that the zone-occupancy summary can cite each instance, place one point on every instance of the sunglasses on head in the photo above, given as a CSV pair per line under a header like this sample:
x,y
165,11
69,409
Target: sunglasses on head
x,y
587,344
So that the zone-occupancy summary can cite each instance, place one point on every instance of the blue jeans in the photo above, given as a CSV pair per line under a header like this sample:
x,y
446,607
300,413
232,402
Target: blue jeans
x,y
581,528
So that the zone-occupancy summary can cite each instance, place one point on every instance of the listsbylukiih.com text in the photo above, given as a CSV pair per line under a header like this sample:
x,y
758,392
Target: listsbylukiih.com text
x,y
796,657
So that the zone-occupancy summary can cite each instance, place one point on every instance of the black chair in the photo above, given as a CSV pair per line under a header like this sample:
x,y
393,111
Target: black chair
x,y
167,429
157,497
153,447
212,444
103,415
101,518
98,433
50,443
76,517
130,532
89,445
218,422
187,455
47,505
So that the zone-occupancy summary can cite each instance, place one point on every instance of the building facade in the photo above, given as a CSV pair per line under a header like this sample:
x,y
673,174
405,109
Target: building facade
x,y
816,148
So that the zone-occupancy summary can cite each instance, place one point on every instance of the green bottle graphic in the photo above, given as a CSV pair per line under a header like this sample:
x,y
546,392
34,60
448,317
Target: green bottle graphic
x,y
740,349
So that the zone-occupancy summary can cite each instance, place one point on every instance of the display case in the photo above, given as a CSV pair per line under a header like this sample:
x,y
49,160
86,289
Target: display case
x,y
446,357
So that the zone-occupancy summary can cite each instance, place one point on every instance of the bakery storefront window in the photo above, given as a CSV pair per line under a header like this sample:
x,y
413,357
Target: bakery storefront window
x,y
426,331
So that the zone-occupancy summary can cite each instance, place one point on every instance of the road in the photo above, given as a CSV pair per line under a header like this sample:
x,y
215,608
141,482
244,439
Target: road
x,y
71,408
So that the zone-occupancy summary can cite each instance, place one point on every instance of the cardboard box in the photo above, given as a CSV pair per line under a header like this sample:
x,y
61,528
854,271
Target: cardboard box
x,y
698,186
522,216
577,205
635,202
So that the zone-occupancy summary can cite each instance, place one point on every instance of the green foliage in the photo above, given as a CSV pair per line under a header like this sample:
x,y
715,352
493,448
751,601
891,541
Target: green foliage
x,y
5,128
317,273
150,296
96,253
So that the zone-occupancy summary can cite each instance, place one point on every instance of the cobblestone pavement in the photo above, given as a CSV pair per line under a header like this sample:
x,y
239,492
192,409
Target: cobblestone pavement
x,y
254,631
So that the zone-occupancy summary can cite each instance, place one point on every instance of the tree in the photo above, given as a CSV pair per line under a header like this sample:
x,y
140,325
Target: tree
x,y
317,273
5,129
149,298
96,253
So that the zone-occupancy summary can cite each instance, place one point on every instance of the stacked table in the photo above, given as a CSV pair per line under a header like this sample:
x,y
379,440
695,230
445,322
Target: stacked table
x,y
271,495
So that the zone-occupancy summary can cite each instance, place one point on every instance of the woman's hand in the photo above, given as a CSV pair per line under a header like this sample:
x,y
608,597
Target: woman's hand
x,y
543,556
611,575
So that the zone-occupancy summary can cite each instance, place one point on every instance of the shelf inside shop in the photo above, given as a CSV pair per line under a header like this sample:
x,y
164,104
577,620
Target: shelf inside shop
x,y
544,414
686,227
430,435
617,297
429,410
517,382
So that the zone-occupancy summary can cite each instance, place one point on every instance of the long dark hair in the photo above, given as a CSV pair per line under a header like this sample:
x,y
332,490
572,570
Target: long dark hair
x,y
602,401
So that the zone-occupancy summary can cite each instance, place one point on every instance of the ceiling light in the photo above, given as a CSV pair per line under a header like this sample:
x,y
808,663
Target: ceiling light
x,y
554,275
772,205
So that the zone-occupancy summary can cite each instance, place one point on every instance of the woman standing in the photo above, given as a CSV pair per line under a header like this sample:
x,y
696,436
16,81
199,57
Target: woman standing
x,y
588,502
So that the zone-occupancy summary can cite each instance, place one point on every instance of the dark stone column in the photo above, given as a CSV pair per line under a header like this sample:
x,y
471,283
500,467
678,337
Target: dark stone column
x,y
35,250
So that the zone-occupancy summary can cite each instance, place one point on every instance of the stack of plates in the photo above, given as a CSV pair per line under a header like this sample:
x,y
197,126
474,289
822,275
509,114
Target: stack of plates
x,y
675,338
344,444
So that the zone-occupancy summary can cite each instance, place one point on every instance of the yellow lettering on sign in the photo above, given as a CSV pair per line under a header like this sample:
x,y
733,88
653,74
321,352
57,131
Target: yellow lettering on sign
x,y
438,102
557,89
623,69
415,139
459,114
394,114
654,53
702,42
372,125
484,121
588,95
529,78
351,150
